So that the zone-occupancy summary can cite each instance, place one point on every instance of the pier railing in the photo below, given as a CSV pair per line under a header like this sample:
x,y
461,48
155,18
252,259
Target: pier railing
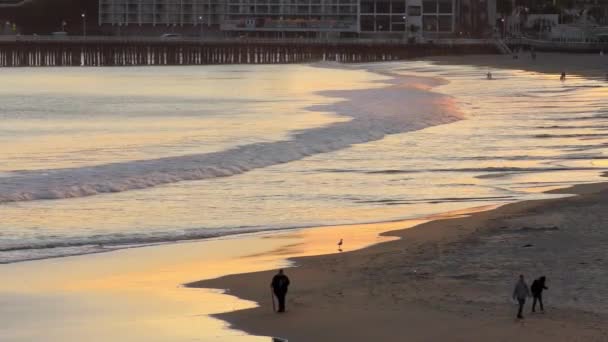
x,y
560,45
234,40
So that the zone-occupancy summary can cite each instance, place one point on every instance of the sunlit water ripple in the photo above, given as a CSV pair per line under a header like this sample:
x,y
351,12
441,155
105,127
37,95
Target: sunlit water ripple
x,y
300,164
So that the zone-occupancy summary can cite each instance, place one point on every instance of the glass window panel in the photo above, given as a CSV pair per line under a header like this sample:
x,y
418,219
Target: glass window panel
x,y
398,27
397,18
429,23
367,23
398,7
383,23
445,23
445,6
367,7
429,6
383,7
414,11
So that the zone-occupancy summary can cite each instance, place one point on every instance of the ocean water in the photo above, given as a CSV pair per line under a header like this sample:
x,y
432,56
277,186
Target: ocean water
x,y
93,160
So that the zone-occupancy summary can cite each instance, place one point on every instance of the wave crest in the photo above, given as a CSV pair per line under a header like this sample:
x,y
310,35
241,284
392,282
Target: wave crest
x,y
374,114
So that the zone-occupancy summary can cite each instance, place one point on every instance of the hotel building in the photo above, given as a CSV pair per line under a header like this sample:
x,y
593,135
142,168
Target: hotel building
x,y
310,18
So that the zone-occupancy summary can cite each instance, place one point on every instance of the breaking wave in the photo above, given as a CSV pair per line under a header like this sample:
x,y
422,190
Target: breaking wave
x,y
403,105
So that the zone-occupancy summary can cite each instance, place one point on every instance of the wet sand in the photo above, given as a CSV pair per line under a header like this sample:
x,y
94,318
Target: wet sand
x,y
136,294
444,280
449,280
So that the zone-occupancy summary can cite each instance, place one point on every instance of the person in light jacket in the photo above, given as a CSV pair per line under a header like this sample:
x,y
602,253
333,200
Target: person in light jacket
x,y
520,293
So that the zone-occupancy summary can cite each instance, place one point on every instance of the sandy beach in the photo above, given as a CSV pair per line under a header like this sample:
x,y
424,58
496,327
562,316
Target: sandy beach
x,y
451,280
437,262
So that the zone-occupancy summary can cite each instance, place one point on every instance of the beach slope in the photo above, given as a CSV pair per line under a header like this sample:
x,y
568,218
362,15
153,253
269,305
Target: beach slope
x,y
449,280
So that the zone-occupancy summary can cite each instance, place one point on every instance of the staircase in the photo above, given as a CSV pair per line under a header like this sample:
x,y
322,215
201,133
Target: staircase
x,y
502,46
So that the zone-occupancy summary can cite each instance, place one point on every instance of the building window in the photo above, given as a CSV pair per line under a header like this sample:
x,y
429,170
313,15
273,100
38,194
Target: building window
x,y
414,11
445,23
383,7
429,6
367,7
383,23
367,23
397,19
445,6
429,23
398,7
398,27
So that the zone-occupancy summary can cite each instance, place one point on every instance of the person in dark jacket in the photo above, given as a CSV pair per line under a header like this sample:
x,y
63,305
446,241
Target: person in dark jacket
x,y
279,285
537,292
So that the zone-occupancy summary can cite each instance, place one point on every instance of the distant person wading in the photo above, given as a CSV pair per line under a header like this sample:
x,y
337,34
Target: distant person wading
x,y
279,285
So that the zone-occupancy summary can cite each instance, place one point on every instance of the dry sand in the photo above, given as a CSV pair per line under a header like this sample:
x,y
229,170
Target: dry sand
x,y
451,280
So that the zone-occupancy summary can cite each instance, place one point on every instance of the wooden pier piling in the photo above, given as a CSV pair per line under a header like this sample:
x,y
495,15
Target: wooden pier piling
x,y
103,51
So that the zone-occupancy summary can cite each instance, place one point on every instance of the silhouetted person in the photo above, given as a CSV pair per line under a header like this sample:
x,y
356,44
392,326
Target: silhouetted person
x,y
537,288
520,293
563,76
489,75
279,286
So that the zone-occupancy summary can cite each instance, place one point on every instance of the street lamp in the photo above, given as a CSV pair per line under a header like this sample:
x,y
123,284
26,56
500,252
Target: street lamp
x,y
200,23
84,24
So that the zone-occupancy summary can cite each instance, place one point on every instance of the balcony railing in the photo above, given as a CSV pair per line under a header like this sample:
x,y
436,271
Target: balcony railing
x,y
227,40
261,24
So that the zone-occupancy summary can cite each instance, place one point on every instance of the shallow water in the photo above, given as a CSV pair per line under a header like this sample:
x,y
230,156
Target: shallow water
x,y
182,153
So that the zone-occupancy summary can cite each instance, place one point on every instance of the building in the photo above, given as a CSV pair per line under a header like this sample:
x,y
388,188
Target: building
x,y
159,12
12,3
292,17
262,17
476,17
289,18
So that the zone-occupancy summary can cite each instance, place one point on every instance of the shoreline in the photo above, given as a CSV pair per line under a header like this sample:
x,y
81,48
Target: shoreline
x,y
341,107
546,63
435,285
349,283
353,107
443,269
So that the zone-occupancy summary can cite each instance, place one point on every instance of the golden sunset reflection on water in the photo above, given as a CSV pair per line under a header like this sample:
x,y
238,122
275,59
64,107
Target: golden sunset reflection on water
x,y
528,133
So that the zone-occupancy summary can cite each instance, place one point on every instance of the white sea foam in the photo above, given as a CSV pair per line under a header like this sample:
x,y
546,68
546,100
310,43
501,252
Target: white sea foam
x,y
405,104
505,147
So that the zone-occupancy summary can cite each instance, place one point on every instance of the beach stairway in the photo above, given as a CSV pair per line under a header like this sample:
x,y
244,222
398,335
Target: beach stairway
x,y
502,46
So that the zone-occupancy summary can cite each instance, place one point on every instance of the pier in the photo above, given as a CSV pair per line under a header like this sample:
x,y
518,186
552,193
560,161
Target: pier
x,y
37,51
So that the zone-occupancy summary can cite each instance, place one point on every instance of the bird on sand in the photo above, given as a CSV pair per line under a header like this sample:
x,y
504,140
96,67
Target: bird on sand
x,y
340,243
